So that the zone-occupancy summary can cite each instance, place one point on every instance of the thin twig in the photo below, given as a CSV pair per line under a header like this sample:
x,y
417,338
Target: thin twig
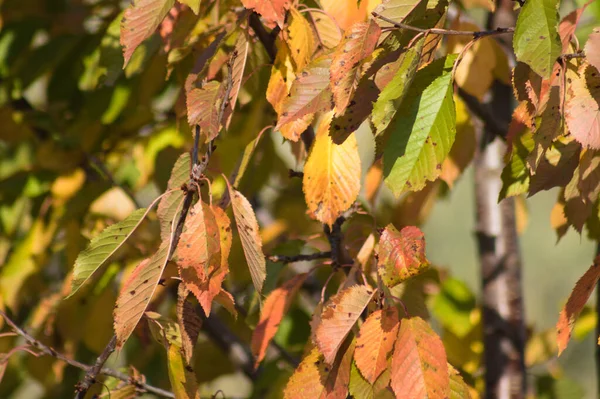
x,y
48,351
92,373
299,258
448,32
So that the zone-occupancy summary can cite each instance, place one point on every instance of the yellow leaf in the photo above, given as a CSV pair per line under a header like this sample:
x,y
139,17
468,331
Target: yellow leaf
x,y
332,172
300,39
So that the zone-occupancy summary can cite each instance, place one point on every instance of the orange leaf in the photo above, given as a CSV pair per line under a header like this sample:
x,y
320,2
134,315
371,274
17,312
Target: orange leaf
x,y
345,12
203,107
273,11
582,109
566,28
577,300
419,365
315,379
401,254
338,317
331,181
250,237
140,21
199,245
375,341
358,43
274,308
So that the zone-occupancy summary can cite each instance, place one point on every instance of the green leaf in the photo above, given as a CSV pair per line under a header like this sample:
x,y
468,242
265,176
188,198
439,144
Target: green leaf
x,y
423,131
392,95
536,41
102,247
515,175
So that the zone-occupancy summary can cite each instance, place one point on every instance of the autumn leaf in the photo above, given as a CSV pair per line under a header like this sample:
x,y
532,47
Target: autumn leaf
x,y
536,41
167,207
314,378
458,388
400,10
203,107
300,39
273,311
331,181
102,247
592,49
140,21
358,43
375,342
273,11
419,366
566,28
250,237
338,317
189,322
401,254
345,12
577,300
239,57
423,131
582,109
359,387
328,32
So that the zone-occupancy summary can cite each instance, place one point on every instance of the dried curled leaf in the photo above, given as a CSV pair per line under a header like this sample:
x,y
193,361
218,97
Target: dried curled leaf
x,y
577,300
375,342
419,365
274,308
401,254
338,317
331,181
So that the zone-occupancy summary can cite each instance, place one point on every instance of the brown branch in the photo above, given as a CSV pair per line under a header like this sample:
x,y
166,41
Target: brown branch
x,y
299,258
92,373
448,32
48,351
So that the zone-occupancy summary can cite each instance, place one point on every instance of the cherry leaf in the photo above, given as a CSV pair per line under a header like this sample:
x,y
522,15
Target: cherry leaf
x,y
273,11
274,308
592,48
577,300
582,106
419,365
401,254
203,107
167,207
189,322
338,316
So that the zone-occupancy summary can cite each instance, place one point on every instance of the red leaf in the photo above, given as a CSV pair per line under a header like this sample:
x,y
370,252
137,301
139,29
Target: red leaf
x,y
140,21
375,342
338,317
358,43
401,254
273,11
315,379
274,308
577,300
419,365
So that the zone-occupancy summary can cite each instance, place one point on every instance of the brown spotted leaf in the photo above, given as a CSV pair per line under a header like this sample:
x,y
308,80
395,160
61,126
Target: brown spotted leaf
x,y
401,254
203,106
338,316
239,57
375,342
419,365
140,21
273,311
582,106
199,245
577,300
331,181
250,237
358,43
189,322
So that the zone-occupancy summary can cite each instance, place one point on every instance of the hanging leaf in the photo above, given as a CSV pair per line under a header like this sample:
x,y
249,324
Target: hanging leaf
x,y
328,32
592,49
331,181
566,28
274,308
423,131
338,317
240,56
419,366
167,207
358,43
203,107
515,175
273,11
393,93
582,109
250,237
189,322
140,21
375,342
536,41
102,247
400,10
137,293
314,378
361,388
346,13
458,388
577,300
300,39
401,254
309,93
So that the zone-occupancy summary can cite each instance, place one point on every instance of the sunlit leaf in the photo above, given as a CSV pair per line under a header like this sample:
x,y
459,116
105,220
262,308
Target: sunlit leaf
x,y
361,388
592,48
401,254
345,12
419,367
331,181
167,207
458,388
582,107
300,39
203,107
240,56
338,317
271,10
273,311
